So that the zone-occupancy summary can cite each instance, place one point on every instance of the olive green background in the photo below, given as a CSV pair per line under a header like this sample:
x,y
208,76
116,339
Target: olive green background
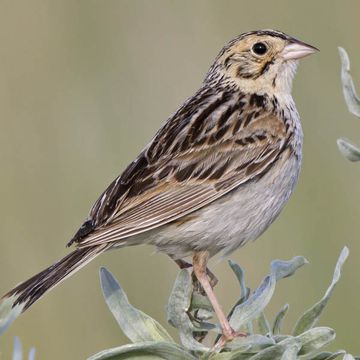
x,y
85,84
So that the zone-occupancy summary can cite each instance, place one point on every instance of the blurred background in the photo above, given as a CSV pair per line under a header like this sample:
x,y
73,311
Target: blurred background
x,y
83,87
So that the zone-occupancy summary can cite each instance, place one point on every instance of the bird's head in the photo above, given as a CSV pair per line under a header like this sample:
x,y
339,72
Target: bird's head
x,y
260,61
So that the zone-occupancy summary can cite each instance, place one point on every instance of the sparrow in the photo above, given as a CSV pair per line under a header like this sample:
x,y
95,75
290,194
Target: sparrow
x,y
215,176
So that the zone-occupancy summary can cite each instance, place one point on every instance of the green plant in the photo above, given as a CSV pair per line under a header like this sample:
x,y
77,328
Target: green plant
x,y
18,353
190,312
346,147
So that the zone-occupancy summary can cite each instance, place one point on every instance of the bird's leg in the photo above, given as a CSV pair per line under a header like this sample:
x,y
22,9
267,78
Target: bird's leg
x,y
185,265
200,259
212,278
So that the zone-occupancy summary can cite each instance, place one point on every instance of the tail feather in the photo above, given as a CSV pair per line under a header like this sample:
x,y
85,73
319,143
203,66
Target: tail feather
x,y
33,289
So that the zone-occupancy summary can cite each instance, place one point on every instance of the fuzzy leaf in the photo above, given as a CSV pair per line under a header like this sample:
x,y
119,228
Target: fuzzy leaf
x,y
351,98
177,311
224,356
325,355
276,351
311,316
239,273
263,325
229,356
251,308
251,344
136,325
279,318
291,352
17,352
204,315
348,357
256,303
279,338
348,150
244,291
199,301
146,351
314,339
32,354
283,269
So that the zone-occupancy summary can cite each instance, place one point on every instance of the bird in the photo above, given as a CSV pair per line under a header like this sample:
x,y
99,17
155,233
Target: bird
x,y
215,175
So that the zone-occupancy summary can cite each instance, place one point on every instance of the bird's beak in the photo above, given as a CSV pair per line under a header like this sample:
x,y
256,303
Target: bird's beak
x,y
297,50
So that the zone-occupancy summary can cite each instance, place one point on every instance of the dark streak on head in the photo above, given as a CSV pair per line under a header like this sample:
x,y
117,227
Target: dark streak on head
x,y
242,73
265,68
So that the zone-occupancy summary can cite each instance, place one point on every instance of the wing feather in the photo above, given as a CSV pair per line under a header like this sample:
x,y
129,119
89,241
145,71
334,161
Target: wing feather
x,y
213,154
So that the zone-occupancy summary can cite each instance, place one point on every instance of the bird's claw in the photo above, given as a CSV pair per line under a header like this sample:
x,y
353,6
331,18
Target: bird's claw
x,y
227,337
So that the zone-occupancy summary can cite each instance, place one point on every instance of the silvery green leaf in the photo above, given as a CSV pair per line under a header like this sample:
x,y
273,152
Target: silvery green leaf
x,y
218,356
180,300
314,339
278,338
146,350
244,291
263,324
291,353
255,304
351,98
311,316
177,311
348,150
279,318
250,309
231,356
348,357
239,273
207,326
249,325
32,354
250,328
251,344
8,313
199,301
283,269
17,352
136,325
275,351
326,355
204,315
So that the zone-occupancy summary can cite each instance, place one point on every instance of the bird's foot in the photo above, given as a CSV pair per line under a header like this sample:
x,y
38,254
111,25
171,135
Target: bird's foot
x,y
228,335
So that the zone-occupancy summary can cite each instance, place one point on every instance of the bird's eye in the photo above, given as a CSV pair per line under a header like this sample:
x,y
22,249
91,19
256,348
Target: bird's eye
x,y
259,48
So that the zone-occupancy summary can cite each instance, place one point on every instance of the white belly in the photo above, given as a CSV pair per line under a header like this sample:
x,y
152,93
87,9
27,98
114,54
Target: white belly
x,y
233,220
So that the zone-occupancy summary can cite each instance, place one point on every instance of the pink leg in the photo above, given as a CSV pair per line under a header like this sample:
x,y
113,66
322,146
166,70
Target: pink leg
x,y
200,259
185,265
